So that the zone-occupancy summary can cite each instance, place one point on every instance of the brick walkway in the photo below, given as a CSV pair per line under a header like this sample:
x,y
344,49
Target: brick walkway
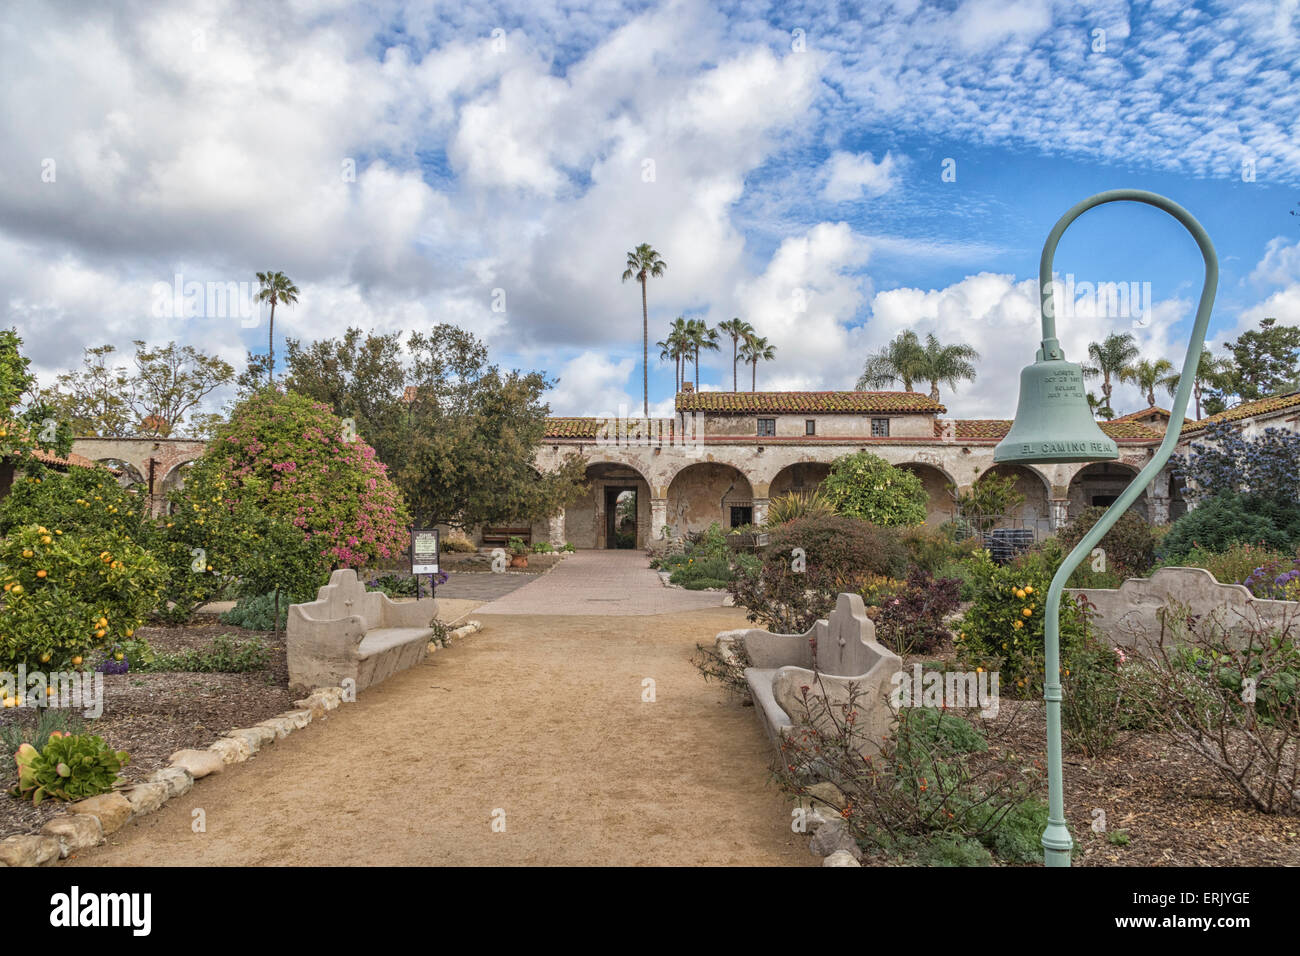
x,y
608,583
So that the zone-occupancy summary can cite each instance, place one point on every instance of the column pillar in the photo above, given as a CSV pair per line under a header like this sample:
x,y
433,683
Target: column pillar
x,y
658,518
1060,508
556,530
760,511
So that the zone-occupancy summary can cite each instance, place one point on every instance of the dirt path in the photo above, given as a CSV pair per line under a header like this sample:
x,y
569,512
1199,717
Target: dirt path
x,y
538,716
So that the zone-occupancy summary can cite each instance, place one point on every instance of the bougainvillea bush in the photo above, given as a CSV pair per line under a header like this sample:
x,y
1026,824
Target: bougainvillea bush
x,y
292,457
66,594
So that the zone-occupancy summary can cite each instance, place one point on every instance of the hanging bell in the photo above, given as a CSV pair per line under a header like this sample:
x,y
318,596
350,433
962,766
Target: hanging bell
x,y
1053,420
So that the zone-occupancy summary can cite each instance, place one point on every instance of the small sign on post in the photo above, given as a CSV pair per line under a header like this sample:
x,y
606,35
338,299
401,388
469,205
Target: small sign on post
x,y
424,551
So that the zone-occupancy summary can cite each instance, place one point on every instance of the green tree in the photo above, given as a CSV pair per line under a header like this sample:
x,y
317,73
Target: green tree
x,y
1211,372
1264,361
362,377
473,431
949,364
1108,359
95,399
738,330
642,263
676,347
275,288
901,360
700,336
169,382
1146,375
866,486
756,349
15,379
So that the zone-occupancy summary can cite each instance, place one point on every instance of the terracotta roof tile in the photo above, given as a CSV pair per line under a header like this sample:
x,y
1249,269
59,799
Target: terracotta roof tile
x,y
995,429
742,403
1247,410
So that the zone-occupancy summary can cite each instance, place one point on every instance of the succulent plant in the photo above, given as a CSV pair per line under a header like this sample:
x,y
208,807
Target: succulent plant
x,y
71,767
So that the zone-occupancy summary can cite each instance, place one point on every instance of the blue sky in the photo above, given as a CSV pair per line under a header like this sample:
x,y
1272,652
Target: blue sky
x,y
499,153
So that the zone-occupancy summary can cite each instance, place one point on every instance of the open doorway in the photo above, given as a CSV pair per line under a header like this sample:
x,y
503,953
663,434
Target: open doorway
x,y
620,517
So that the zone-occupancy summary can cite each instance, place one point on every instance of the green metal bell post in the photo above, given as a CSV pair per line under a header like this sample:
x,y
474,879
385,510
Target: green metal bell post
x,y
1055,424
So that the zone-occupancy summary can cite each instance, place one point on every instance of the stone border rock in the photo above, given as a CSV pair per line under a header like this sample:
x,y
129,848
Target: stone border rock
x,y
88,822
455,634
831,839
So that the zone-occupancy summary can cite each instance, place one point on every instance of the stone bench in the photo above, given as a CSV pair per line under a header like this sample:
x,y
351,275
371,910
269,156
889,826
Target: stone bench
x,y
351,633
834,655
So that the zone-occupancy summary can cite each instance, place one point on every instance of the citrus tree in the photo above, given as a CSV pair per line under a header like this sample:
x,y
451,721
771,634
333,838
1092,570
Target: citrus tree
x,y
866,486
292,458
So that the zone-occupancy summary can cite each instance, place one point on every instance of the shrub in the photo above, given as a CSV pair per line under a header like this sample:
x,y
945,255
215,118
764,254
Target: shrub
x,y
912,621
1017,836
1129,546
224,655
1224,461
1004,625
257,612
965,573
794,505
932,549
1094,712
866,486
985,503
458,545
1227,519
67,594
568,547
792,589
952,849
68,768
292,458
396,585
542,547
81,501
1257,567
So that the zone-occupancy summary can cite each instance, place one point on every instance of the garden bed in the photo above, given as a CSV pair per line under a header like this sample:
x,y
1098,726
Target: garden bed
x,y
151,715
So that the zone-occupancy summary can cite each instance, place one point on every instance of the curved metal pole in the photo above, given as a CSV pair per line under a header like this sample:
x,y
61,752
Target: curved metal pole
x,y
1056,838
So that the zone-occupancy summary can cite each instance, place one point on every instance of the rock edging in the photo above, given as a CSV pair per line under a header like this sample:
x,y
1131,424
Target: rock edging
x,y
88,822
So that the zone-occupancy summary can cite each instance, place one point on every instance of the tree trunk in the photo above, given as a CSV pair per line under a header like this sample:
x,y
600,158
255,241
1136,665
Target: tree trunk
x,y
697,368
645,350
270,348
753,382
934,391
1196,391
733,363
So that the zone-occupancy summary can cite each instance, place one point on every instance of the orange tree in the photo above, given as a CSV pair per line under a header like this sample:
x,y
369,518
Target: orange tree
x,y
66,594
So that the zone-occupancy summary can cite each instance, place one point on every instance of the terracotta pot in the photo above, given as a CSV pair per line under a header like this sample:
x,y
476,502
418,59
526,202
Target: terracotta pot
x,y
519,561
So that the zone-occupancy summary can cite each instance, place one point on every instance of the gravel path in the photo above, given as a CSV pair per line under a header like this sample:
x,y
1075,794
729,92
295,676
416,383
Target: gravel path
x,y
538,717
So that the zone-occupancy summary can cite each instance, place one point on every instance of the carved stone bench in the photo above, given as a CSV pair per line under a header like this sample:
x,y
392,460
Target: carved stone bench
x,y
834,655
351,633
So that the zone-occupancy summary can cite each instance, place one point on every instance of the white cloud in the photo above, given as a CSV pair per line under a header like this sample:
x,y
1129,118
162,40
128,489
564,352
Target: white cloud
x,y
852,176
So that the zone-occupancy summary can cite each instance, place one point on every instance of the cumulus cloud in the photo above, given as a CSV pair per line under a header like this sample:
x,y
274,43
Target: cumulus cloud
x,y
850,176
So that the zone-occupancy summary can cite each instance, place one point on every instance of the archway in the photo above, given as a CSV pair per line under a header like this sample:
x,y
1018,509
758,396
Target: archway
x,y
1035,512
614,512
940,507
709,491
128,476
801,478
174,481
1099,484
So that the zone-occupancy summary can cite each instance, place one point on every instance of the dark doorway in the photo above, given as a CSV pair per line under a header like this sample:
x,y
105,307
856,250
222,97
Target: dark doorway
x,y
741,515
620,517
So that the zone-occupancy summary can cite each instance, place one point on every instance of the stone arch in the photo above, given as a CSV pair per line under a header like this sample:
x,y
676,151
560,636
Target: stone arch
x,y
1100,483
1035,513
708,491
128,475
940,507
587,521
800,477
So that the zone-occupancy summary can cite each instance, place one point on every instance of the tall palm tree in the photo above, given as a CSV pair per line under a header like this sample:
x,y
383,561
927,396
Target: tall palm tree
x,y
738,329
1108,358
756,349
275,287
1211,371
642,263
903,359
1146,375
700,336
949,364
675,346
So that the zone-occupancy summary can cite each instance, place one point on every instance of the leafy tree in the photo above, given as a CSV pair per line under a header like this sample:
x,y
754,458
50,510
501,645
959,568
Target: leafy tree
x,y
86,501
169,382
95,399
991,498
1146,375
472,434
293,458
1108,360
756,349
738,330
15,379
362,377
676,347
866,486
642,263
1210,372
899,361
1264,361
275,288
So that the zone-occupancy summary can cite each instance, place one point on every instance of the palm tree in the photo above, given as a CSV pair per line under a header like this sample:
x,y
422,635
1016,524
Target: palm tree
x,y
902,359
756,349
1211,371
275,287
1110,357
700,336
1146,375
949,364
642,263
1099,408
675,347
738,329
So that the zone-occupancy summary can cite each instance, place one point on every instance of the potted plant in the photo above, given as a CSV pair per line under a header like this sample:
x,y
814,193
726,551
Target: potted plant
x,y
518,551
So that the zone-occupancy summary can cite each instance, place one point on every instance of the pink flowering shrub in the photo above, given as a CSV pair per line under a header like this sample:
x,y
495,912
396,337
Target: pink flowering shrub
x,y
292,457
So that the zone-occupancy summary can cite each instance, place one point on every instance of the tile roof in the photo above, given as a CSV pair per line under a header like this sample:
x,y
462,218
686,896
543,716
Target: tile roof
x,y
742,403
995,429
1144,413
1264,406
